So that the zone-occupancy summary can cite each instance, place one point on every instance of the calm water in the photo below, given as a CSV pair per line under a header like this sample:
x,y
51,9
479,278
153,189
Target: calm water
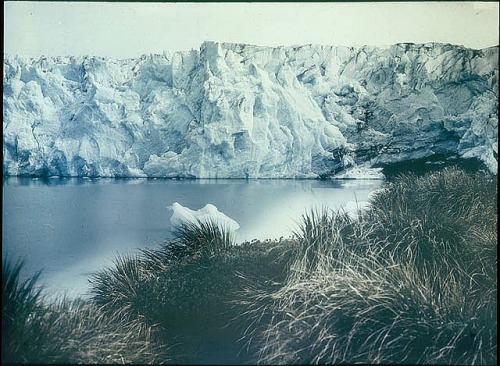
x,y
70,228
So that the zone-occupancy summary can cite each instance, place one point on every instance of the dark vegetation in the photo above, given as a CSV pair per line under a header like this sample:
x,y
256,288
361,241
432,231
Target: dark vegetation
x,y
412,279
434,163
69,332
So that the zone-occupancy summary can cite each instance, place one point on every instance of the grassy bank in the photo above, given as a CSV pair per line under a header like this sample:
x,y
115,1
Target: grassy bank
x,y
411,280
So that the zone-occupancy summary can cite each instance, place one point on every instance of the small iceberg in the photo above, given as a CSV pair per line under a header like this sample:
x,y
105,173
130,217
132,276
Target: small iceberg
x,y
209,213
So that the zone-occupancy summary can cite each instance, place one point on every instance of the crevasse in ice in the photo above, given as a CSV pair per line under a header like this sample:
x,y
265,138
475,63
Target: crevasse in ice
x,y
242,111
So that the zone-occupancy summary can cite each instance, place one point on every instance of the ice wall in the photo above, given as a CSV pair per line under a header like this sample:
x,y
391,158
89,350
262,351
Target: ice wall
x,y
233,110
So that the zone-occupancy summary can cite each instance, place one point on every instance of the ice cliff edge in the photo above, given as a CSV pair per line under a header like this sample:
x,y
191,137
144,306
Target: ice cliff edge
x,y
241,111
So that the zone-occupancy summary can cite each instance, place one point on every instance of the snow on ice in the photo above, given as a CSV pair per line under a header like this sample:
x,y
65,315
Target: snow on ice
x,y
240,111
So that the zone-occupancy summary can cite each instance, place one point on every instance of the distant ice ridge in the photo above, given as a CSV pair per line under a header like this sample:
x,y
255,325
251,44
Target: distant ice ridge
x,y
209,213
240,111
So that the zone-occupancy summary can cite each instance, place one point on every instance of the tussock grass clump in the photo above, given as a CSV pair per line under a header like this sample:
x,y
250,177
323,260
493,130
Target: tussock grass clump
x,y
355,308
119,291
187,289
319,227
198,304
322,229
440,218
410,281
136,284
20,304
202,238
78,331
65,331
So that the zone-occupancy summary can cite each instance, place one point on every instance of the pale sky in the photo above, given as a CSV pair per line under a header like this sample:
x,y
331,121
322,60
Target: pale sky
x,y
126,30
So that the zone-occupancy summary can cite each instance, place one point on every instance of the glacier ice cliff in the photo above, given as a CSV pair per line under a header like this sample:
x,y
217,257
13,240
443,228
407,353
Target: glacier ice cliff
x,y
242,111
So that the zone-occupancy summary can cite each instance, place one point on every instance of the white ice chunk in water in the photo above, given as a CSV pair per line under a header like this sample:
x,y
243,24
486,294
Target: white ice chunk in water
x,y
209,213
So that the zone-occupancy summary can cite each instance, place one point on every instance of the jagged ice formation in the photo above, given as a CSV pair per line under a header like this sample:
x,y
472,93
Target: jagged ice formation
x,y
233,110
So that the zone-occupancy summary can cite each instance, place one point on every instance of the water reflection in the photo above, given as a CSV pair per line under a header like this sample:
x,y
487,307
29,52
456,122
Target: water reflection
x,y
70,227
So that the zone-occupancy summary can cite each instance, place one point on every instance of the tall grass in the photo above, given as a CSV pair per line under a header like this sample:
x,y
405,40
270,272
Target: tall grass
x,y
186,289
78,331
136,284
37,331
172,288
20,305
448,213
410,281
354,307
202,238
119,290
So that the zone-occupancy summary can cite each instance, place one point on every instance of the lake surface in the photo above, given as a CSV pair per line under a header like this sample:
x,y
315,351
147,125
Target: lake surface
x,y
70,228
